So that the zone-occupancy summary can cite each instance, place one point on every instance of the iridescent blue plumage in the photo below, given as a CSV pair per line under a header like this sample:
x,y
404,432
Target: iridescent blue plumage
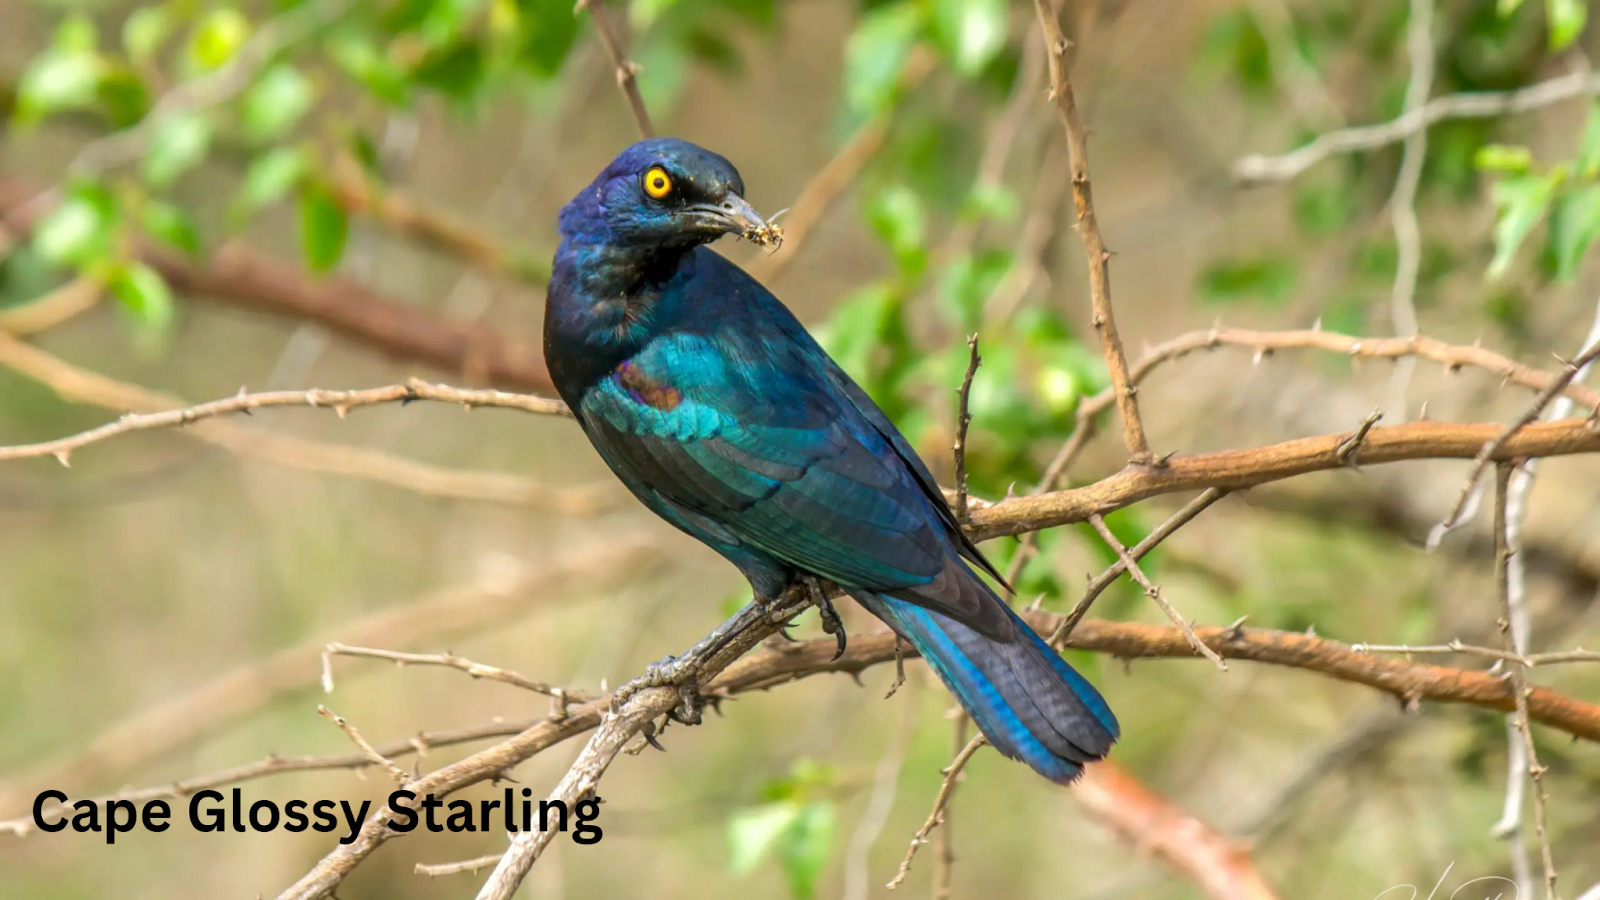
x,y
712,403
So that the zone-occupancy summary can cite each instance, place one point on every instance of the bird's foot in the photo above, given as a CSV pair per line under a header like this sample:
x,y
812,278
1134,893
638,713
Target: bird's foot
x,y
681,672
831,623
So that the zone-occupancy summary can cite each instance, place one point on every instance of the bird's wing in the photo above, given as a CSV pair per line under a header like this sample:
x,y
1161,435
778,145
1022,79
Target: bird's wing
x,y
755,436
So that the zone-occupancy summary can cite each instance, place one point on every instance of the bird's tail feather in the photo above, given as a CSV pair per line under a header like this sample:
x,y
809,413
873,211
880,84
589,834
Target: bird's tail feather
x,y
1030,704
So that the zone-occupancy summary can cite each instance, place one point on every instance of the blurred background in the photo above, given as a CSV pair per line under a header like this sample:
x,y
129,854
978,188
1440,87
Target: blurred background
x,y
343,193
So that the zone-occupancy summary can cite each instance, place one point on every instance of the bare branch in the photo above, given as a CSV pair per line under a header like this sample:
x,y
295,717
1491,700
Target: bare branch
x,y
626,69
963,420
1493,449
1153,592
451,661
468,867
1518,675
1094,245
367,750
65,302
941,800
1403,201
1255,169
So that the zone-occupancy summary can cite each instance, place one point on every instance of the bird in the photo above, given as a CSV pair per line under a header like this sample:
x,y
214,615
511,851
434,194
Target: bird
x,y
717,409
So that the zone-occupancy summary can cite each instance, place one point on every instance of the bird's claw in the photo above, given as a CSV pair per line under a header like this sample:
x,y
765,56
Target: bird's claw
x,y
679,672
831,623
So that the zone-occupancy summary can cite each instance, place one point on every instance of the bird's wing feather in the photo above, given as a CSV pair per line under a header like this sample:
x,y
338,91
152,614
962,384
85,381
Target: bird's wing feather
x,y
743,433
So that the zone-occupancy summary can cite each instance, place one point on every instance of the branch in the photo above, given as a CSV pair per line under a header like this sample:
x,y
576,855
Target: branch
x,y
1264,343
370,752
340,402
1403,201
449,660
1518,674
78,385
1094,245
626,69
963,421
1152,823
1257,169
1494,448
1154,593
1239,469
65,302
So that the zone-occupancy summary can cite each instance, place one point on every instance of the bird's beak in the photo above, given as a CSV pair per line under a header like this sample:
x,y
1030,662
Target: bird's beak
x,y
734,215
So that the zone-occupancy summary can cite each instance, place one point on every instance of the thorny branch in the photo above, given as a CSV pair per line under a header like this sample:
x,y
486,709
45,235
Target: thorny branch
x,y
627,70
1094,245
963,421
1518,674
1154,593
1493,449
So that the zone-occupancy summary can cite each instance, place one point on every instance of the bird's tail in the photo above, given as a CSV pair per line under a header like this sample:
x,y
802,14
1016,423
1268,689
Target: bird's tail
x,y
1029,703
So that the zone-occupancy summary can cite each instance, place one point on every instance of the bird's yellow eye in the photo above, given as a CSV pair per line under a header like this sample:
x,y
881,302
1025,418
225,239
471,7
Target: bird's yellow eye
x,y
657,183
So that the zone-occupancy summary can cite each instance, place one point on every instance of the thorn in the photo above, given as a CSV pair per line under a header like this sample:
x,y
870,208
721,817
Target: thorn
x,y
64,457
1317,325
1422,414
341,410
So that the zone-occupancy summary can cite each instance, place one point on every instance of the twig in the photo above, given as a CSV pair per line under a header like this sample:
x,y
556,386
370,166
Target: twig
x,y
1518,675
936,817
963,420
81,385
1349,450
367,750
1222,868
341,402
1257,168
626,68
1403,202
1153,592
1105,579
449,660
1530,660
465,867
944,858
1493,448
1094,245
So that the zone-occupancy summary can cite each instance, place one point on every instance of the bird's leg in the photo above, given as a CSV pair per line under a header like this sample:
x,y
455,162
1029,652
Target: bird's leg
x,y
831,623
683,672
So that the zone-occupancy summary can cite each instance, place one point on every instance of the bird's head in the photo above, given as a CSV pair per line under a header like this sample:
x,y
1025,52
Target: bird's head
x,y
668,193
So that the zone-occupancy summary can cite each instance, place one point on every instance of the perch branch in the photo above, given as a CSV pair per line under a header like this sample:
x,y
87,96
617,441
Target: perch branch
x,y
627,70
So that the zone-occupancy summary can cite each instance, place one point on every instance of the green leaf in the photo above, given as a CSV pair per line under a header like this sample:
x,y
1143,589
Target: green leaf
x,y
806,848
143,292
1567,18
970,32
549,29
898,216
1504,158
1574,225
1269,278
75,34
275,103
171,225
145,31
875,54
178,145
323,227
356,55
271,176
1588,161
80,230
753,832
1520,204
970,281
216,38
58,81
1507,7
